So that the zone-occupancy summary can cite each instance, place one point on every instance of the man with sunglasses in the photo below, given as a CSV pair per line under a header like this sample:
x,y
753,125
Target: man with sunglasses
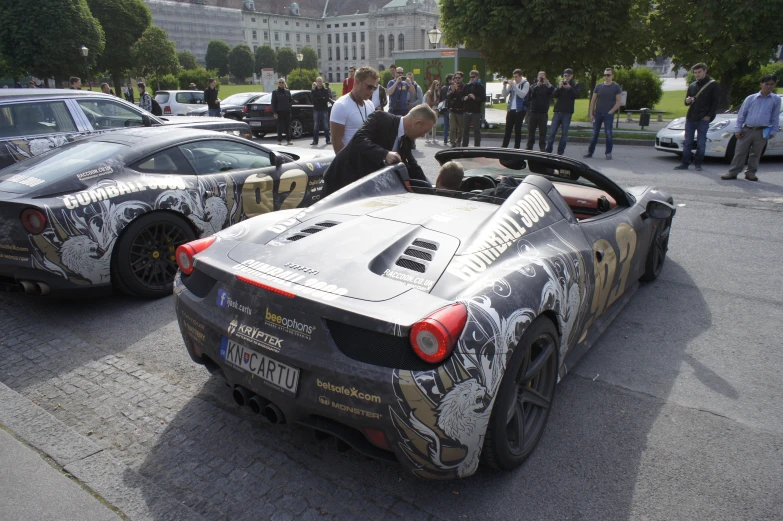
x,y
350,112
456,110
473,96
281,109
565,93
606,101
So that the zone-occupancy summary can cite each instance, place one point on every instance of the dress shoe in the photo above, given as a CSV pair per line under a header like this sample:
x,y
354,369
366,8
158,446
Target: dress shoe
x,y
751,177
608,156
587,155
698,169
681,167
728,176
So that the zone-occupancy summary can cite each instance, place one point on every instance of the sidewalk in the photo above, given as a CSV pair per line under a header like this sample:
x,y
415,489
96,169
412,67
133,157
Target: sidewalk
x,y
498,117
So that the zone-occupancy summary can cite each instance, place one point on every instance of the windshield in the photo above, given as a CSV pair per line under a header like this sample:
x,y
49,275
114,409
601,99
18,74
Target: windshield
x,y
65,161
239,99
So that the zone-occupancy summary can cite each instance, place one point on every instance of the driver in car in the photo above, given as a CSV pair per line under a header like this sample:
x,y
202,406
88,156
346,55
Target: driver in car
x,y
450,176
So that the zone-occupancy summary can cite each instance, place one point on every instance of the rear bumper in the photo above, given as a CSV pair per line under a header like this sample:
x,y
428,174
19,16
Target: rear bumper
x,y
12,279
262,124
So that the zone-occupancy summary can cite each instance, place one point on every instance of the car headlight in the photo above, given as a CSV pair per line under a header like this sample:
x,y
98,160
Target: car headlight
x,y
719,125
677,124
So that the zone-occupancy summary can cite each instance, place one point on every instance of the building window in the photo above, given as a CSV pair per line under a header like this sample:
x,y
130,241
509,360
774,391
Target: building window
x,y
381,42
307,25
255,34
307,38
328,38
331,78
337,52
297,24
286,22
266,35
275,20
277,36
264,20
353,50
363,52
401,42
353,37
345,37
288,37
319,54
298,37
362,38
353,24
337,38
391,44
345,25
255,48
277,48
318,39
252,19
330,53
328,26
318,26
381,67
424,40
345,52
360,23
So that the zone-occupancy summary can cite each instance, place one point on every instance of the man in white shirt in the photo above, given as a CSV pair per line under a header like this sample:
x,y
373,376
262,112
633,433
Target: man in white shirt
x,y
516,91
351,111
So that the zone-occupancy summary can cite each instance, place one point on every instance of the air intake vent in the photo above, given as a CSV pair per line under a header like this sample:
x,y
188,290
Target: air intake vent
x,y
312,230
296,237
425,244
423,255
411,265
327,224
301,234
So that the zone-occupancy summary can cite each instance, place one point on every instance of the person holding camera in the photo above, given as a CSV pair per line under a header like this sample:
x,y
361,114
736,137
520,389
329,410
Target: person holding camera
x,y
540,94
473,95
565,93
517,92
398,91
456,104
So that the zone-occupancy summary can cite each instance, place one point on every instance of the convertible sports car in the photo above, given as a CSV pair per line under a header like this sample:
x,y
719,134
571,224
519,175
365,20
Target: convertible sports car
x,y
423,324
111,210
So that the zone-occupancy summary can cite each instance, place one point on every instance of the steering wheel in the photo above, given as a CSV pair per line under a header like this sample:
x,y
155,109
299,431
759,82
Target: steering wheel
x,y
477,183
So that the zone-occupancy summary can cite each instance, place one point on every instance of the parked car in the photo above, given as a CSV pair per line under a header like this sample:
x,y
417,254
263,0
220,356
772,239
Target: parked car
x,y
721,141
110,210
33,121
261,119
233,106
179,102
430,325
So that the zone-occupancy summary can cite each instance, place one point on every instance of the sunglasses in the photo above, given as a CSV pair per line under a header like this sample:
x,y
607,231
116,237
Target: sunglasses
x,y
371,87
457,77
607,74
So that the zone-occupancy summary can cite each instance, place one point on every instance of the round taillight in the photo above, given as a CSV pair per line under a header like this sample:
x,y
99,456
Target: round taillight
x,y
186,252
34,221
433,338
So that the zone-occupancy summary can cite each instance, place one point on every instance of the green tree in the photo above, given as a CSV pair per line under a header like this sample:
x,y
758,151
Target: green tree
x,y
44,37
217,56
265,58
733,37
555,34
200,76
124,21
302,81
643,86
241,62
310,58
746,85
187,60
286,61
154,54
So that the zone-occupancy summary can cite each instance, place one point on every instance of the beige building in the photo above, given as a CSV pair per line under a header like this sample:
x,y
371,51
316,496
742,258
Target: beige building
x,y
344,33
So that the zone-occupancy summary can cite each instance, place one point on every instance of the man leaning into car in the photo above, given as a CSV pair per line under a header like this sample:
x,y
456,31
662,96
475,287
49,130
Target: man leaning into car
x,y
702,101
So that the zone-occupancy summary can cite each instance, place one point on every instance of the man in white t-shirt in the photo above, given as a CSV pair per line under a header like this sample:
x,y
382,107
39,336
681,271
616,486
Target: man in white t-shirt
x,y
350,111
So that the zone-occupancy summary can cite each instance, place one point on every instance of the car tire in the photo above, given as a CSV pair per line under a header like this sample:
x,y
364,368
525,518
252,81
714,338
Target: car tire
x,y
524,398
143,262
297,130
656,256
259,134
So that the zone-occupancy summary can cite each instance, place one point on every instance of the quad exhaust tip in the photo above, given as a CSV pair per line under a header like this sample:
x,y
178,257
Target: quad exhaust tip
x,y
259,405
241,395
34,288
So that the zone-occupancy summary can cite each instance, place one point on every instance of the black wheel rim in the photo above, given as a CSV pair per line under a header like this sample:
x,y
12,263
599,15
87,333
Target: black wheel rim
x,y
152,254
534,383
296,129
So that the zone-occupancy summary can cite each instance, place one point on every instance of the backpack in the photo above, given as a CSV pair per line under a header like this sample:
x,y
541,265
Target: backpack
x,y
156,110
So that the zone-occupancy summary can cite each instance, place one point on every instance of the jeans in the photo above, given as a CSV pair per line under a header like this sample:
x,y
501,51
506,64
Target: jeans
x,y
559,119
691,127
455,128
446,127
213,113
514,119
537,119
606,119
320,119
284,125
472,119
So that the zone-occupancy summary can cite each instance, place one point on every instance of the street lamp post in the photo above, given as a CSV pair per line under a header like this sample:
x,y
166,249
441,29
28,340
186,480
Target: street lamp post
x,y
84,50
434,35
299,58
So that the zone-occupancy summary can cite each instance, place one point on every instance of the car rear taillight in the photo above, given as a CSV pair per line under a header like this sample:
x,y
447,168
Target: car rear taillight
x,y
34,221
186,252
167,110
268,108
377,437
434,337
245,110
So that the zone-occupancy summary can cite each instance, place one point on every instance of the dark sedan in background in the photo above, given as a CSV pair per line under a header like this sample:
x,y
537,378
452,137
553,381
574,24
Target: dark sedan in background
x,y
262,121
233,107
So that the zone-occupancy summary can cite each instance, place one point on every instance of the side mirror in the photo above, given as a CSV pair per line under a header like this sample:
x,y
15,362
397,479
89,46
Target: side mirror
x,y
146,120
277,160
660,210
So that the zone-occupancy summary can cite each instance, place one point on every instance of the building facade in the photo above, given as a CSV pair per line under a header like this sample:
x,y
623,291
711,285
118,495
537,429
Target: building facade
x,y
344,33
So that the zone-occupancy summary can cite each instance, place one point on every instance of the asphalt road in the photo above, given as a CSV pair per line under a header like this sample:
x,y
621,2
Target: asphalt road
x,y
676,412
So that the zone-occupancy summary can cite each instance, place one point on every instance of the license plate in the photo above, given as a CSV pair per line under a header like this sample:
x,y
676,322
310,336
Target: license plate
x,y
258,124
276,374
666,140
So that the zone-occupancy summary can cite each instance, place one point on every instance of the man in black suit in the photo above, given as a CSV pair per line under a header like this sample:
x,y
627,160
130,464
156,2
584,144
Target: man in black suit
x,y
385,139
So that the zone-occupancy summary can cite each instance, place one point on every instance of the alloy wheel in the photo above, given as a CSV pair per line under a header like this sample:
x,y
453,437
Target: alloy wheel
x,y
152,254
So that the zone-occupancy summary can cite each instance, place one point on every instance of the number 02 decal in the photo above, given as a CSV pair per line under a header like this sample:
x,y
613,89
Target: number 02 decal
x,y
295,183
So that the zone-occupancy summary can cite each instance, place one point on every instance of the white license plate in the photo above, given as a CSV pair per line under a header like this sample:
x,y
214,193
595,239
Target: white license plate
x,y
258,124
666,140
276,374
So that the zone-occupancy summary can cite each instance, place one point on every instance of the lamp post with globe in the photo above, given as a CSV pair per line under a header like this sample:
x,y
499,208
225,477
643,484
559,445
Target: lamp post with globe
x,y
84,50
434,35
299,58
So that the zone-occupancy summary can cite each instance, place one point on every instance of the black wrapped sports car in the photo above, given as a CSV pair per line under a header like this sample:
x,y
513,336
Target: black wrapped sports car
x,y
418,323
112,209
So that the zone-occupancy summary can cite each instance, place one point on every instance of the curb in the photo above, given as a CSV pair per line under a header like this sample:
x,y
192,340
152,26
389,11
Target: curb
x,y
116,483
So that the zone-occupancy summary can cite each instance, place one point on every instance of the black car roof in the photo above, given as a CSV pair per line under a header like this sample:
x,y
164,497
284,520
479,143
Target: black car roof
x,y
149,138
23,94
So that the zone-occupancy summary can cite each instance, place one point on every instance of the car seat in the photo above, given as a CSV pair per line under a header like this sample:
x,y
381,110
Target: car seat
x,y
29,121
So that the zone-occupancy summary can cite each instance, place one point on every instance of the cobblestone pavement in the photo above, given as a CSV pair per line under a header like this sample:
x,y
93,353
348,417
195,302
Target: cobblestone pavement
x,y
638,442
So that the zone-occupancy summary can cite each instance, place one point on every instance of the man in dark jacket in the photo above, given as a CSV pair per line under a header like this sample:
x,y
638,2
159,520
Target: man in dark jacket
x,y
444,92
211,97
474,95
281,108
702,100
565,93
540,93
321,96
456,110
385,139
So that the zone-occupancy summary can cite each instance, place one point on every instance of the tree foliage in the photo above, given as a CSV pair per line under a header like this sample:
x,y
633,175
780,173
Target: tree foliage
x,y
200,76
217,56
241,62
733,37
154,54
643,86
286,61
309,58
164,82
265,58
124,22
302,81
549,34
746,85
44,37
187,60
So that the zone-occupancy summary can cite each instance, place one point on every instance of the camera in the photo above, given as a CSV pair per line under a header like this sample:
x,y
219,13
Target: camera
x,y
540,80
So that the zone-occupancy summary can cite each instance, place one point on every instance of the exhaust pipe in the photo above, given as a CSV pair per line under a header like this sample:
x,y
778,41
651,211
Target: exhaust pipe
x,y
273,413
27,287
257,404
41,288
241,395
